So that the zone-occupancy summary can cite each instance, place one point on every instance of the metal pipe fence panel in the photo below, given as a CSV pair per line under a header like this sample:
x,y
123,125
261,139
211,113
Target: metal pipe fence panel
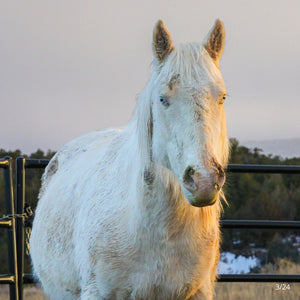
x,y
23,164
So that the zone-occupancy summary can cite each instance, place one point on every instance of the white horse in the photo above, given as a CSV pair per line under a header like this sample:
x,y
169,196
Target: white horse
x,y
134,214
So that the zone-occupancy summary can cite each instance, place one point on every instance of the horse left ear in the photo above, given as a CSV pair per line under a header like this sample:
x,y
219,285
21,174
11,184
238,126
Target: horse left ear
x,y
162,41
215,40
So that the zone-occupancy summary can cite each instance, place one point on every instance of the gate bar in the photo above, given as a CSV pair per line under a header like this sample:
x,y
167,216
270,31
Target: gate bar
x,y
8,279
4,163
264,224
10,224
258,278
5,223
20,221
266,169
32,163
29,278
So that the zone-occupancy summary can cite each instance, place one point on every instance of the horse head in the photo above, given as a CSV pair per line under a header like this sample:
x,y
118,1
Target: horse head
x,y
187,120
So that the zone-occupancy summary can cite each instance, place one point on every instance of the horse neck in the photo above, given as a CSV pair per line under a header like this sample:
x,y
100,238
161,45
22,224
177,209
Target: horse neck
x,y
158,197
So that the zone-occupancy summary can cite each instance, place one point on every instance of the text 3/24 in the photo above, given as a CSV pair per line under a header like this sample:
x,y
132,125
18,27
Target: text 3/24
x,y
282,286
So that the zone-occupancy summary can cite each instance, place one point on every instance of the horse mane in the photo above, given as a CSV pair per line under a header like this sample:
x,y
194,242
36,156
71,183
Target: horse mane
x,y
183,60
144,125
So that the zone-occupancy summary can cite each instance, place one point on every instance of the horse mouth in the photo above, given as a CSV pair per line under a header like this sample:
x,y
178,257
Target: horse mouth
x,y
198,201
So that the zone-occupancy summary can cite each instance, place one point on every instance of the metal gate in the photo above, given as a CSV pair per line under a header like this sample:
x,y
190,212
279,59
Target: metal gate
x,y
14,222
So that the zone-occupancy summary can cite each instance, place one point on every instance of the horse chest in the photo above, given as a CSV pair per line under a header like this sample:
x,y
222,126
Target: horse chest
x,y
165,268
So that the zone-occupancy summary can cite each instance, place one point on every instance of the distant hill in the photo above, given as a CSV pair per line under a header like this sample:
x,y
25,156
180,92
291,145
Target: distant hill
x,y
286,148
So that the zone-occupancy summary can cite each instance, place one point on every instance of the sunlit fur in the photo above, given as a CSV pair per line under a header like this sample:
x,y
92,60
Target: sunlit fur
x,y
113,220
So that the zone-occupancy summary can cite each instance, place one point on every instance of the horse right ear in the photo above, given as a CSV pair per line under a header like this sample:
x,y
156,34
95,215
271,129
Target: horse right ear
x,y
162,41
215,40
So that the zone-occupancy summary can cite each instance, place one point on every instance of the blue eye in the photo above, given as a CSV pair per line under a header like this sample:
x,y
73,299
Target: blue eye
x,y
164,101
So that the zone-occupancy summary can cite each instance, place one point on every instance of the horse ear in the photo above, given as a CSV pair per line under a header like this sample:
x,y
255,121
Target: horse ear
x,y
162,41
215,40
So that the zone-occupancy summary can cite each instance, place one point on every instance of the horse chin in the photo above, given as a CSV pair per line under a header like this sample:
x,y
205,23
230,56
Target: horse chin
x,y
201,201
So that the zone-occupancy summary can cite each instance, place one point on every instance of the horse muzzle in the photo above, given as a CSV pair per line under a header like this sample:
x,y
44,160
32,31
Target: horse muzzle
x,y
203,189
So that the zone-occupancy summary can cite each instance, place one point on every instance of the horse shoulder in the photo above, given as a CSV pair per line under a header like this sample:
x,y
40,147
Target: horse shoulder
x,y
74,150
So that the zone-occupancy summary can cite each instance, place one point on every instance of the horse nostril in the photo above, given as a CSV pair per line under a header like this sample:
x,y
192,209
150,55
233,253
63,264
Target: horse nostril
x,y
219,173
220,180
188,178
218,168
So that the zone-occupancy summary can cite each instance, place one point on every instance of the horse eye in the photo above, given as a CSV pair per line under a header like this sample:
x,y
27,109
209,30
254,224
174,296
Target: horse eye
x,y
221,101
164,101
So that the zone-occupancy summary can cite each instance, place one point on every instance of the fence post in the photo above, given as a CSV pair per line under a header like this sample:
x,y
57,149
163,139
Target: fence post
x,y
20,222
11,233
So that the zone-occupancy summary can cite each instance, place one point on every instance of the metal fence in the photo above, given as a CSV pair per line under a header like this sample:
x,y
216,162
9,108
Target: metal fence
x,y
14,222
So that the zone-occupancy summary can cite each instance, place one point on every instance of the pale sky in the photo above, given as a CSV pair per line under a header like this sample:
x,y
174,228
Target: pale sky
x,y
70,67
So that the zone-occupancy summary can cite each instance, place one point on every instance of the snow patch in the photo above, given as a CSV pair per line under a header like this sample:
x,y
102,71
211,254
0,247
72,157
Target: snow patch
x,y
230,264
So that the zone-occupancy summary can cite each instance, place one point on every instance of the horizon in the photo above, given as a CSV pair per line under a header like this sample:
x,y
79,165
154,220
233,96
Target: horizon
x,y
274,147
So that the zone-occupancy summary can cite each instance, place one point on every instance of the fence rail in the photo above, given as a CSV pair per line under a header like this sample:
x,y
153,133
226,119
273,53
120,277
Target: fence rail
x,y
258,278
262,224
265,169
16,225
9,223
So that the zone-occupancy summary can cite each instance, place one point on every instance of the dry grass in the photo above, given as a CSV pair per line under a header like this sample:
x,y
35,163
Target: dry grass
x,y
224,291
264,290
30,293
